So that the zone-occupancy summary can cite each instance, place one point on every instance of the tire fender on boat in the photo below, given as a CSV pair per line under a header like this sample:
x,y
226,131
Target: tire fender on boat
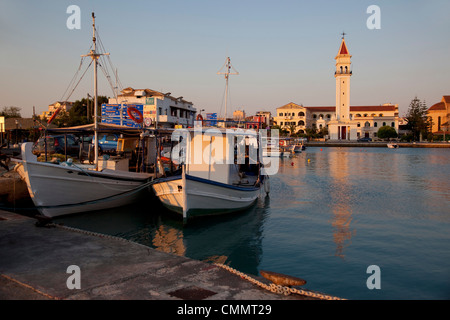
x,y
267,185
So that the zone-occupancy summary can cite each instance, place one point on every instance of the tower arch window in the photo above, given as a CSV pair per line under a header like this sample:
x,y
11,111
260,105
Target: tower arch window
x,y
301,114
341,69
301,123
367,124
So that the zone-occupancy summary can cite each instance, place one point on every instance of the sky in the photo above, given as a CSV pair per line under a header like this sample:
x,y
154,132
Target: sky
x,y
283,50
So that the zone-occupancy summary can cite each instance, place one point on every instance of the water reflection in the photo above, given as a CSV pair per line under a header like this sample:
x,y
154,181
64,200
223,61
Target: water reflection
x,y
341,195
233,239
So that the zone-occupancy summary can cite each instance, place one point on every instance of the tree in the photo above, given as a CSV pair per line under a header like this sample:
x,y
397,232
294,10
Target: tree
x,y
386,132
418,122
77,115
11,112
291,129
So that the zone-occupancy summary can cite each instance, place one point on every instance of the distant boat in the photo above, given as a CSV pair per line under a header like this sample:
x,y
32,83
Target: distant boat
x,y
213,187
392,145
58,189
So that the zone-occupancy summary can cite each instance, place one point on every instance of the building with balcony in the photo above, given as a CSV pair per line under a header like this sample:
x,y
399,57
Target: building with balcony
x,y
163,109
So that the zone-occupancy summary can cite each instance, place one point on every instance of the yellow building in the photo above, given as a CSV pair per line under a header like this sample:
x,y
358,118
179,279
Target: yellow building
x,y
65,106
439,113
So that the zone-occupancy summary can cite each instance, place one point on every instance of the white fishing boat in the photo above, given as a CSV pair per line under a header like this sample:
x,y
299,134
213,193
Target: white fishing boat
x,y
67,188
214,186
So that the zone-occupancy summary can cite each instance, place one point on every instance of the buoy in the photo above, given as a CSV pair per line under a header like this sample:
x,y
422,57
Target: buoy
x,y
135,114
309,160
292,164
267,185
320,149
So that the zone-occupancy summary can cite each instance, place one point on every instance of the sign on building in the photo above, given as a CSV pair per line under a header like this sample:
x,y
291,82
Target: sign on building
x,y
211,119
117,114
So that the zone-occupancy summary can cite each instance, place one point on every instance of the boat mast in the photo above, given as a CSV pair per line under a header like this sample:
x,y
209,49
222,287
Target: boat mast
x,y
227,75
94,55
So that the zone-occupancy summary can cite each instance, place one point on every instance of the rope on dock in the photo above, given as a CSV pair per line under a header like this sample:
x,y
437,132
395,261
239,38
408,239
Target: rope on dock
x,y
96,234
29,287
277,288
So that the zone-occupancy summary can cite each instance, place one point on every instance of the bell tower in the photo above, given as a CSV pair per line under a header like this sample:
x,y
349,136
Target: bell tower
x,y
342,75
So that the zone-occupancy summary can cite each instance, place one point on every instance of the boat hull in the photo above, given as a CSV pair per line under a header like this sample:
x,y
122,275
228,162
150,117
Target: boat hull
x,y
58,190
204,197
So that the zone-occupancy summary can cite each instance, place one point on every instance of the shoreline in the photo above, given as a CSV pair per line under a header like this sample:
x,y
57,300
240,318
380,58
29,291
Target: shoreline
x,y
376,144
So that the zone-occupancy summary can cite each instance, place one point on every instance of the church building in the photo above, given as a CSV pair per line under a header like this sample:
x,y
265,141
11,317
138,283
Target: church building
x,y
343,121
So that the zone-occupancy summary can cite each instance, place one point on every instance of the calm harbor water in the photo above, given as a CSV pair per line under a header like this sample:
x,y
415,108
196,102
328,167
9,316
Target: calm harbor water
x,y
331,213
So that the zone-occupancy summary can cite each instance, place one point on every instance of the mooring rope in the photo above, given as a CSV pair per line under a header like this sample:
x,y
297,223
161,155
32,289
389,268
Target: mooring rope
x,y
277,288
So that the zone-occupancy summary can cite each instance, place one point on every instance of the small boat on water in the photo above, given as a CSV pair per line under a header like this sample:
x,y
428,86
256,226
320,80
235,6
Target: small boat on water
x,y
213,180
67,188
392,145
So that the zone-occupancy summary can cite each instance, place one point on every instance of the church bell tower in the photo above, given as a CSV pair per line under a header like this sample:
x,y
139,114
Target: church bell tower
x,y
342,75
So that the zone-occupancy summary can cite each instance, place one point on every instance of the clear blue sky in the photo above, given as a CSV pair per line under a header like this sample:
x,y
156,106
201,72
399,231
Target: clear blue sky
x,y
283,50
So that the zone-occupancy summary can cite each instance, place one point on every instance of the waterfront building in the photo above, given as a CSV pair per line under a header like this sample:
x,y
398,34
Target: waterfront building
x,y
162,108
342,121
439,114
239,115
64,105
267,117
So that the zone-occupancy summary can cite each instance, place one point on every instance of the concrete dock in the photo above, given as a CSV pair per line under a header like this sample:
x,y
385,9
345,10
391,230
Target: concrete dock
x,y
34,262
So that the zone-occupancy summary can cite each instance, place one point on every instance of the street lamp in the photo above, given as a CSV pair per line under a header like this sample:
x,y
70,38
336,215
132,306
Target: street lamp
x,y
17,128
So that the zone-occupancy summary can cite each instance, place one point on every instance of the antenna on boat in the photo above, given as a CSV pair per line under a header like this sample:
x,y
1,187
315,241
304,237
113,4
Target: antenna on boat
x,y
227,74
94,55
